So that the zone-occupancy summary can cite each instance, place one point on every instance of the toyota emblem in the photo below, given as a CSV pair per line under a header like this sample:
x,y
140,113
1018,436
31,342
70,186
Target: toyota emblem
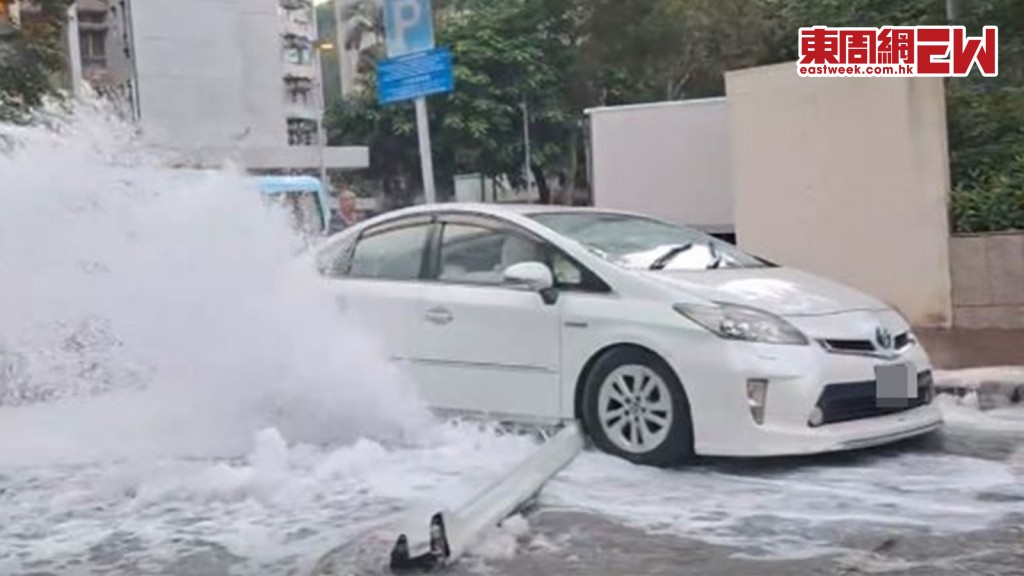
x,y
883,337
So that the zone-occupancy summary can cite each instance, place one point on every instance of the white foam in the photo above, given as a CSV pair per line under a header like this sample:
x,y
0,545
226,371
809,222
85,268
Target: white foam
x,y
502,542
974,377
964,413
280,503
800,511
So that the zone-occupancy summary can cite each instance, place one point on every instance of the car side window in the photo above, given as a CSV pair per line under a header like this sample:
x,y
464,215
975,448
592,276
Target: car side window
x,y
567,274
480,254
395,253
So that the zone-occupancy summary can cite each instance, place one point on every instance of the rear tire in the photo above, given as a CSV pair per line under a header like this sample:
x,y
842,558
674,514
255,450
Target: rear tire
x,y
635,407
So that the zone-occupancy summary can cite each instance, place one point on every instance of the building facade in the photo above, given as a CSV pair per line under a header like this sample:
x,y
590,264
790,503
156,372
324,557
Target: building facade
x,y
300,78
360,34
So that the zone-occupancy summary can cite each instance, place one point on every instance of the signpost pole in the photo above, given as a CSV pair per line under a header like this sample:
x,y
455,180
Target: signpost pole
x,y
413,70
426,155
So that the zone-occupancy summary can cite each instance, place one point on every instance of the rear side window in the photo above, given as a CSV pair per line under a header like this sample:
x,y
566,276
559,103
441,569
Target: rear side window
x,y
480,254
395,253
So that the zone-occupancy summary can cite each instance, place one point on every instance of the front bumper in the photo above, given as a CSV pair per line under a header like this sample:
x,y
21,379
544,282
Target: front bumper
x,y
796,378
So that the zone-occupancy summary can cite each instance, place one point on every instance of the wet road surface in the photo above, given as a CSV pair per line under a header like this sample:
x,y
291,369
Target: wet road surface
x,y
566,541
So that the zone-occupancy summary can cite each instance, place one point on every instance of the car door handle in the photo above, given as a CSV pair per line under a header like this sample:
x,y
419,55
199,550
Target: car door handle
x,y
439,315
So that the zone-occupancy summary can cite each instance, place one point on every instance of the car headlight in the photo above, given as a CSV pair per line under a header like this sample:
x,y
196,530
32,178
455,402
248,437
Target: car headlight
x,y
734,322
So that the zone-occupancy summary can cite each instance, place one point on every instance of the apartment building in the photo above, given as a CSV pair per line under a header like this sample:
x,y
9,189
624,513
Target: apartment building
x,y
300,77
359,31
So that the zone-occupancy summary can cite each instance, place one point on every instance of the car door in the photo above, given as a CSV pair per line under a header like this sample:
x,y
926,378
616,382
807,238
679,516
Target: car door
x,y
483,345
376,279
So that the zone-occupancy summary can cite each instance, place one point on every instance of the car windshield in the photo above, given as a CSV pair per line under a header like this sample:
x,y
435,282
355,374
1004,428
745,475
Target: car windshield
x,y
638,242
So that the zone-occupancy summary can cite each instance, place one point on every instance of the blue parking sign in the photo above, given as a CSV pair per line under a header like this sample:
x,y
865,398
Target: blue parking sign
x,y
415,75
408,27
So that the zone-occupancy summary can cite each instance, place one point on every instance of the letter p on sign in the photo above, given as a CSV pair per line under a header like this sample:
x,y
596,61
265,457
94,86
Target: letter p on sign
x,y
409,26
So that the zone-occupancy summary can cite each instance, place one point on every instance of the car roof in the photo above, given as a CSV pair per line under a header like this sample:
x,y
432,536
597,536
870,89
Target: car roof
x,y
499,209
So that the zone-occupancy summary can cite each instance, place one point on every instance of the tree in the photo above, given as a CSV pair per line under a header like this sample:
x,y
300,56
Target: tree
x,y
29,57
504,56
986,128
389,131
563,56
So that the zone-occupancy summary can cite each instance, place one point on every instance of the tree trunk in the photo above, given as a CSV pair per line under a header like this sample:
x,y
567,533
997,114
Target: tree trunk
x,y
569,193
542,184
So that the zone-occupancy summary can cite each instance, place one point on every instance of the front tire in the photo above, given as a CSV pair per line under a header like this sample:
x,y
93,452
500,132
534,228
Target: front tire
x,y
635,407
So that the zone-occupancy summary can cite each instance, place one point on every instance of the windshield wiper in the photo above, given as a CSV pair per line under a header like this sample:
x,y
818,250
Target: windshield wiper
x,y
716,255
667,257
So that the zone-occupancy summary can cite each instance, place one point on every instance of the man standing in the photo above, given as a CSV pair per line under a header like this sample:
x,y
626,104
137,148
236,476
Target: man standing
x,y
346,215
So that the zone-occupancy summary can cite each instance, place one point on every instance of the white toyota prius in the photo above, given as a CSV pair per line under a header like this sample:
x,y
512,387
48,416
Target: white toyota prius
x,y
664,341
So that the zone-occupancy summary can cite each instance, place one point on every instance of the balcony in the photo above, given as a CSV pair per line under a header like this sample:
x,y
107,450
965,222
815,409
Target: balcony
x,y
92,20
299,72
298,84
297,28
301,111
296,4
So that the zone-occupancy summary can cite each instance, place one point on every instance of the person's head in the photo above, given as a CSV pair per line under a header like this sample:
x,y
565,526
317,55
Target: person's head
x,y
347,201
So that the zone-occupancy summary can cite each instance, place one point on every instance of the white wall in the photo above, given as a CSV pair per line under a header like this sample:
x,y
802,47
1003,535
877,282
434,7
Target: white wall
x,y
667,159
848,178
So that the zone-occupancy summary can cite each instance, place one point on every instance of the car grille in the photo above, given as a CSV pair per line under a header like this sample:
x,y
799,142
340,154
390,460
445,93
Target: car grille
x,y
839,346
859,400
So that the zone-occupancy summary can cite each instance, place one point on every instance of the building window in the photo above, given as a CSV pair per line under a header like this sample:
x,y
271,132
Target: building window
x,y
301,132
298,50
93,44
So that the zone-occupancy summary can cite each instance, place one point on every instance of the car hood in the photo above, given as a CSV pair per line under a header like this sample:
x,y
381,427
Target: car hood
x,y
781,291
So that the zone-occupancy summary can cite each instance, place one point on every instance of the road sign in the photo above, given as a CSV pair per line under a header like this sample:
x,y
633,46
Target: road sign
x,y
408,26
415,76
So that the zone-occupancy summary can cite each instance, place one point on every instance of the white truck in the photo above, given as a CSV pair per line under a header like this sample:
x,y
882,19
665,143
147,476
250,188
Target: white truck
x,y
666,159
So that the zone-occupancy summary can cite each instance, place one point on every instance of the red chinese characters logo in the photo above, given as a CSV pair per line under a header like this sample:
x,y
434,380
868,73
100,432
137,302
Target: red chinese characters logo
x,y
897,51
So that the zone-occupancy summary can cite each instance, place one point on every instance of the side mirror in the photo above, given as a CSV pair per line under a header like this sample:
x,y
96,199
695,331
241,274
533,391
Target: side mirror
x,y
533,275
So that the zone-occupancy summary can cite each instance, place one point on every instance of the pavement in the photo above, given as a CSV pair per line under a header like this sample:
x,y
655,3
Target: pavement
x,y
989,363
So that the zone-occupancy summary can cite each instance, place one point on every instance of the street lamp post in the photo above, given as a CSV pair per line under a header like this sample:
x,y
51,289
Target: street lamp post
x,y
527,160
321,137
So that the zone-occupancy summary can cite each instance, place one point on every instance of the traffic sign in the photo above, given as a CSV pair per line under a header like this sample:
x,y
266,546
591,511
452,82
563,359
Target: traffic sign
x,y
415,75
408,27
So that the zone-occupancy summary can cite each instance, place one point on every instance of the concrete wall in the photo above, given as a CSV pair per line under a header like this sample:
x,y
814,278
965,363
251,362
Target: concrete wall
x,y
209,72
668,159
988,280
848,178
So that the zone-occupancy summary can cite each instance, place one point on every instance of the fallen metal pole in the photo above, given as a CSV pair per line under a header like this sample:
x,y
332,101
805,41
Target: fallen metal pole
x,y
451,533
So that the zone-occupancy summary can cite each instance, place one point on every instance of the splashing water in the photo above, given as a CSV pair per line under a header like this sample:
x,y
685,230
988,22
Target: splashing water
x,y
178,395
178,299
177,391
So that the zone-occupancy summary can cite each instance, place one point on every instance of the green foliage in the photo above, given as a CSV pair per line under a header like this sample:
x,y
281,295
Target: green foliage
x,y
563,56
991,199
986,128
505,53
29,57
23,80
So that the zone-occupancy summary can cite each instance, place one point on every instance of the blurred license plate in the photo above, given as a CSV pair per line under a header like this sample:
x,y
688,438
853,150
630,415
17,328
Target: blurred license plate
x,y
896,384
